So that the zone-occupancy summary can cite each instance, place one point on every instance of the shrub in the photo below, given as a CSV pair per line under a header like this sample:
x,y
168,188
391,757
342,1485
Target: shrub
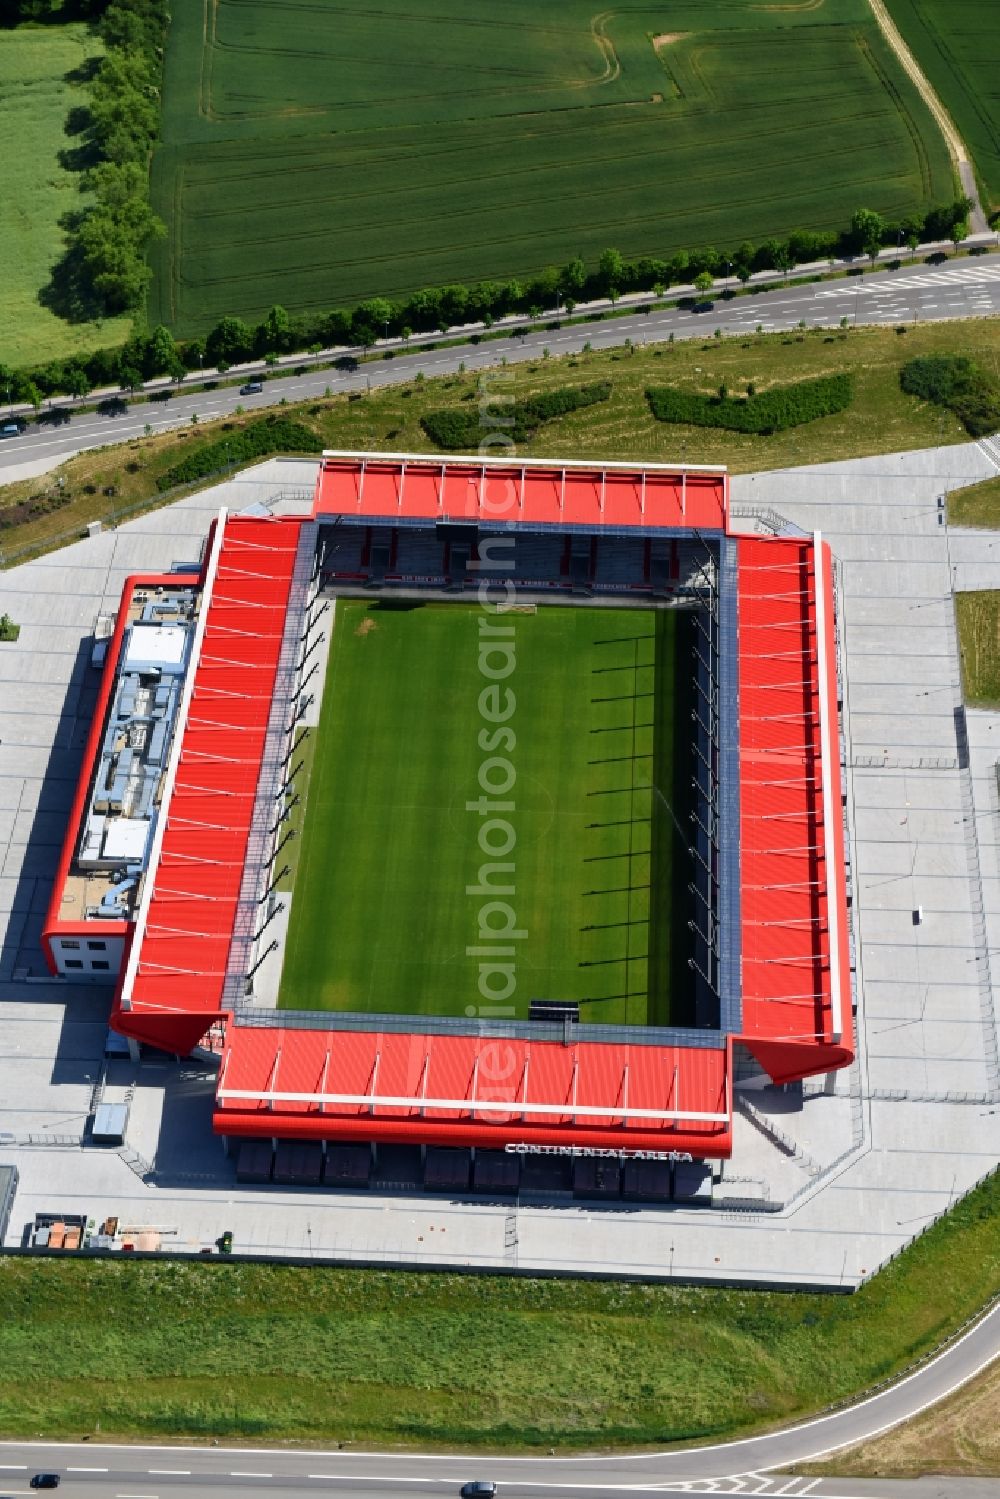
x,y
258,440
456,429
772,411
952,381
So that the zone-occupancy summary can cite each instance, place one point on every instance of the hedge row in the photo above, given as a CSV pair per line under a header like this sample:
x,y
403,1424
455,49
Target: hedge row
x,y
462,429
233,341
275,434
772,411
959,384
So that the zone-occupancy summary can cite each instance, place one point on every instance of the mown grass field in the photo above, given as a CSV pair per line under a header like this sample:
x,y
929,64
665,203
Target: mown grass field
x,y
881,418
976,505
273,1353
381,915
318,155
36,95
957,43
979,643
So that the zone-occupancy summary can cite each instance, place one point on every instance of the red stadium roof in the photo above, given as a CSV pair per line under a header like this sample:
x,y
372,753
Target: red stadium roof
x,y
174,980
471,1090
795,960
533,492
290,1080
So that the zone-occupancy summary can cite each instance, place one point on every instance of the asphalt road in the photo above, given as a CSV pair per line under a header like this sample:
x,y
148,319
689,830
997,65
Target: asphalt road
x,y
964,288
113,1472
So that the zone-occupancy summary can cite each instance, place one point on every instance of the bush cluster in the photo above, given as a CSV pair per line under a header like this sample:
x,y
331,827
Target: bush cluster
x,y
33,508
959,384
772,411
460,429
275,434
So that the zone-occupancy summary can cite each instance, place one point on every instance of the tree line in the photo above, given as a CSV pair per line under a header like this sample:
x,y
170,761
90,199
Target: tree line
x,y
235,341
46,12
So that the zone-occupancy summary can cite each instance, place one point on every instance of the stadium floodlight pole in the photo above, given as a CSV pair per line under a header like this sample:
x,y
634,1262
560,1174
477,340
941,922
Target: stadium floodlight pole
x,y
285,869
276,910
704,864
308,651
311,672
304,706
711,832
705,728
693,963
312,618
294,742
289,835
271,947
285,813
708,764
292,774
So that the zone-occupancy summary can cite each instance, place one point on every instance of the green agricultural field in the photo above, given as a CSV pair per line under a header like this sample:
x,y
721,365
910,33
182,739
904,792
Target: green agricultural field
x,y
381,917
316,155
36,95
957,43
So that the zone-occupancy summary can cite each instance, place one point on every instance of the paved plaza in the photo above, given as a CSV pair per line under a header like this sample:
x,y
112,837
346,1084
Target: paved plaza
x,y
824,1184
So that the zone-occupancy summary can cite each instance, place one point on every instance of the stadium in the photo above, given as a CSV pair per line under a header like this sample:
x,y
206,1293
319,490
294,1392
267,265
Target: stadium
x,y
530,775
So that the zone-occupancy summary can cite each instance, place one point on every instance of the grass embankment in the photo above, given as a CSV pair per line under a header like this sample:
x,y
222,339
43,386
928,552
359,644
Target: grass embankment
x,y
312,1354
37,92
881,417
979,644
976,505
379,921
713,133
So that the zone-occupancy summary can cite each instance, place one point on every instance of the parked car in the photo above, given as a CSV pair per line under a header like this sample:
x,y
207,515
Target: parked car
x,y
11,429
252,388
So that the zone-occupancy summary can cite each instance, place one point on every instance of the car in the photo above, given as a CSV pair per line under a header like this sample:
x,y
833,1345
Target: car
x,y
252,388
11,429
45,1481
479,1488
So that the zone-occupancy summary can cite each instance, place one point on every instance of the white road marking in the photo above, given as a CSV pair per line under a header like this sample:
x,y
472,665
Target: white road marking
x,y
236,1473
88,1470
173,1472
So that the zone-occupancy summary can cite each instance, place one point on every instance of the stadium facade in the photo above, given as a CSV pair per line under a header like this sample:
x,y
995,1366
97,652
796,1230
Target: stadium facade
x,y
167,874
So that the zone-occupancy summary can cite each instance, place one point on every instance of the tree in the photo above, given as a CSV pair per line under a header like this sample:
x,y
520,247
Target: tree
x,y
77,383
371,320
703,282
611,270
743,258
129,376
867,232
159,352
572,278
230,339
454,305
277,327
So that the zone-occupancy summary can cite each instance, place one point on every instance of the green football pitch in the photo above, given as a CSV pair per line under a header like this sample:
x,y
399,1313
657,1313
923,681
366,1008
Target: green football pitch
x,y
317,154
391,900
